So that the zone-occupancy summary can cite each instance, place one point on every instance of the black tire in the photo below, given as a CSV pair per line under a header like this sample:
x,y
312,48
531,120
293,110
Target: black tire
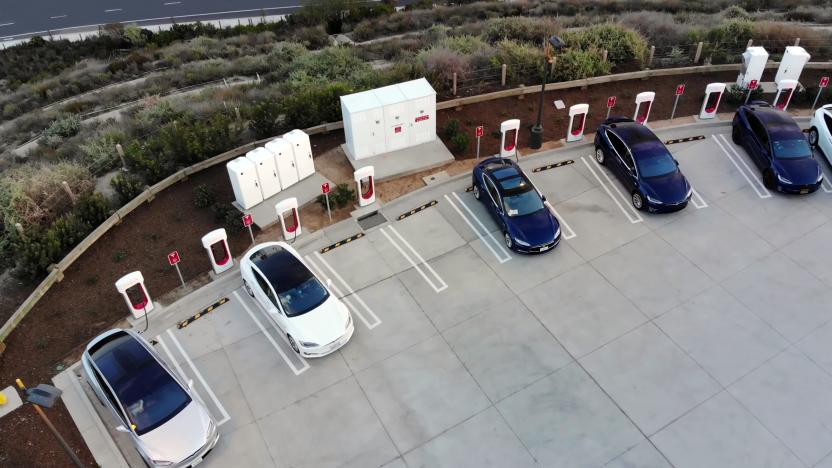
x,y
814,137
600,157
769,179
477,192
293,344
508,240
248,288
735,135
637,200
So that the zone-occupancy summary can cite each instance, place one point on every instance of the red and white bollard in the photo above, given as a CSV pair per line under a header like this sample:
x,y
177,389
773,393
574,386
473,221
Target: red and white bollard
x,y
216,244
292,228
785,91
510,130
131,287
365,184
644,102
710,105
577,122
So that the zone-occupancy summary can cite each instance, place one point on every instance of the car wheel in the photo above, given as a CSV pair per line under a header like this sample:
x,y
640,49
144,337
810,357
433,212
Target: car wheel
x,y
768,179
638,201
293,344
599,156
477,193
813,137
508,240
248,288
735,135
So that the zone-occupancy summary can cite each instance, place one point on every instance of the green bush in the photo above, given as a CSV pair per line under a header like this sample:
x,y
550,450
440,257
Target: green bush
x,y
315,105
99,153
524,62
92,209
520,28
228,217
204,196
468,45
338,198
440,65
460,142
578,64
61,129
622,44
736,95
451,128
264,118
127,186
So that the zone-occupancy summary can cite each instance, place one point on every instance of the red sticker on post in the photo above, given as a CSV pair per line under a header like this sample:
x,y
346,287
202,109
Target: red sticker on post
x,y
752,85
247,220
325,187
680,90
480,131
173,258
824,82
611,102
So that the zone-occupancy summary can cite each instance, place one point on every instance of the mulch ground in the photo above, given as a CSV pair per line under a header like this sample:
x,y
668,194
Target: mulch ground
x,y
86,303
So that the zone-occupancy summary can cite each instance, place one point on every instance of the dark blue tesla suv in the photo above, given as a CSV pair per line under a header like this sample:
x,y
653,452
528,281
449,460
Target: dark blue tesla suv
x,y
643,164
778,148
520,211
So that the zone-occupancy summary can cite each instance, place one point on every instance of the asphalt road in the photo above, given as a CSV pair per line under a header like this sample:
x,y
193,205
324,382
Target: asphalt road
x,y
19,18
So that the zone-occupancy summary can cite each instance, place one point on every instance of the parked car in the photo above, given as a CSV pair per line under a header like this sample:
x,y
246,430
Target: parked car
x,y
516,205
315,322
643,164
778,148
820,131
168,426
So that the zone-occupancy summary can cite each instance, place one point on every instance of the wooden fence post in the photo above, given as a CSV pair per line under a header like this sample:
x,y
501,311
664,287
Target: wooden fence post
x,y
652,53
750,43
796,41
503,75
604,54
120,152
68,191
454,83
698,52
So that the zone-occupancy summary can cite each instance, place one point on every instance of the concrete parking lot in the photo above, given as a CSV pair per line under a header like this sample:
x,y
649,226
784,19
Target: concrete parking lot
x,y
696,339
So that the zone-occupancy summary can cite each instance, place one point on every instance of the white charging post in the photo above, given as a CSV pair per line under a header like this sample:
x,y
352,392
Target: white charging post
x,y
508,142
289,205
365,185
644,102
218,237
786,87
577,122
127,283
710,105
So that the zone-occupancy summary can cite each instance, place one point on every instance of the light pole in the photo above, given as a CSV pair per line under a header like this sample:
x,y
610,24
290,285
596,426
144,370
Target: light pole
x,y
45,396
552,46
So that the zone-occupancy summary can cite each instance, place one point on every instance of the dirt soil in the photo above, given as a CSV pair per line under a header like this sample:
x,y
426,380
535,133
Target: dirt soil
x,y
86,303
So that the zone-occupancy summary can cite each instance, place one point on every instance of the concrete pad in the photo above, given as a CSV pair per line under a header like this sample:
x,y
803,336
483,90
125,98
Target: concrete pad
x,y
566,420
474,211
429,233
582,310
561,183
812,252
403,325
200,337
723,336
306,190
421,392
651,379
231,322
721,432
789,395
818,347
396,463
216,369
643,455
12,400
242,447
506,348
708,169
404,161
467,294
341,416
715,242
350,261
784,295
482,441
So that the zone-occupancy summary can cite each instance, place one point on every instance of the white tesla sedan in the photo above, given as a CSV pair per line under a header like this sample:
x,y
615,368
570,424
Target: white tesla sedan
x,y
315,322
820,131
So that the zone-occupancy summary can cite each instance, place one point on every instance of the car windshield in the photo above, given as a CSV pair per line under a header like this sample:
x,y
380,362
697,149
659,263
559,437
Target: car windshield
x,y
655,162
303,296
145,389
792,149
524,203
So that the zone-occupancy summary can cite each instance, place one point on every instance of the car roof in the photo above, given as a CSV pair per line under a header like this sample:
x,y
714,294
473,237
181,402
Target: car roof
x,y
119,355
280,267
771,116
634,134
509,177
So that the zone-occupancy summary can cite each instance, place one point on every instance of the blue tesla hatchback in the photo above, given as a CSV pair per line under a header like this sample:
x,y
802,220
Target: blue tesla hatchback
x,y
527,224
778,148
643,164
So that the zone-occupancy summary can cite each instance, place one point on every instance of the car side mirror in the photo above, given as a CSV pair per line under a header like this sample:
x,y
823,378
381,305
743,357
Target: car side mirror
x,y
676,161
543,197
121,428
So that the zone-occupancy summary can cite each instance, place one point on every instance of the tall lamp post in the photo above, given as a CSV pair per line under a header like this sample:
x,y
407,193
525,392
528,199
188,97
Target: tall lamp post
x,y
553,45
45,396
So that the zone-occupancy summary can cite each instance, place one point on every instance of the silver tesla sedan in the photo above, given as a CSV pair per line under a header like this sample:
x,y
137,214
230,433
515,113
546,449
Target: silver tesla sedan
x,y
168,426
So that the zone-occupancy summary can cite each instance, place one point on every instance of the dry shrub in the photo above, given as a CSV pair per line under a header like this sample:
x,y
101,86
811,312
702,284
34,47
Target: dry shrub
x,y
32,193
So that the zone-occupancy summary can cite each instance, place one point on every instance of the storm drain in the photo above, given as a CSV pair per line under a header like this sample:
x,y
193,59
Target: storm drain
x,y
371,220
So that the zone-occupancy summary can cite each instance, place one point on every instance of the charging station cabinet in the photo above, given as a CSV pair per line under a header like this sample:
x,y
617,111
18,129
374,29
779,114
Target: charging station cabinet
x,y
302,149
365,185
510,130
577,122
243,175
754,61
713,96
422,103
396,117
132,289
364,125
216,244
284,156
791,65
266,168
289,207
644,102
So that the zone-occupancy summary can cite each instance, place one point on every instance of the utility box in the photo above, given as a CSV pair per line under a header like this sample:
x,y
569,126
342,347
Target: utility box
x,y
791,66
363,117
284,156
243,175
422,100
754,61
266,167
396,117
302,149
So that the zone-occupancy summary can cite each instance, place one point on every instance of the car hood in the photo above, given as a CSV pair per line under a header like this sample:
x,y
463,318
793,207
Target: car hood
x,y
535,229
802,171
670,189
322,325
180,437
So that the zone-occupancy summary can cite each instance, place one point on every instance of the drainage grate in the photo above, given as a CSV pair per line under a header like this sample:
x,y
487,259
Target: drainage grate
x,y
371,220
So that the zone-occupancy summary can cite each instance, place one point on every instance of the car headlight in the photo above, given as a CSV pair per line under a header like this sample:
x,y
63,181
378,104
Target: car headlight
x,y
820,177
783,180
309,344
161,462
654,200
557,233
689,194
523,243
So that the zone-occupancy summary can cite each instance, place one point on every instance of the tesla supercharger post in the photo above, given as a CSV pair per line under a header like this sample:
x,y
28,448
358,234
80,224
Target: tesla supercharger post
x,y
577,122
785,90
216,244
644,102
710,105
131,287
365,185
510,130
290,206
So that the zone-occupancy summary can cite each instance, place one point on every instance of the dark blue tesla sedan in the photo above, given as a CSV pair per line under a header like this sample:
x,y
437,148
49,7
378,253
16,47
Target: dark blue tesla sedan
x,y
520,211
778,148
643,164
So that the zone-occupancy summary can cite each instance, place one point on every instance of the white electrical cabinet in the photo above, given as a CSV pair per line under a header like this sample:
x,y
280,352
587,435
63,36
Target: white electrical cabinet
x,y
753,65
266,167
422,99
284,156
363,124
302,148
791,66
396,117
243,175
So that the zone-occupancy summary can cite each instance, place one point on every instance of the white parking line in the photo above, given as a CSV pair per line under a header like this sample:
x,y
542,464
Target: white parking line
x,y
171,3
752,179
633,219
350,293
568,233
442,285
825,184
283,355
697,200
502,256
6,24
58,17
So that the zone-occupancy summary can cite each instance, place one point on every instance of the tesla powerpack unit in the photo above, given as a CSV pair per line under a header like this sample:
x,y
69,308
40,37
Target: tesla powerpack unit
x,y
363,124
302,149
266,167
753,64
396,116
791,66
243,175
284,156
422,99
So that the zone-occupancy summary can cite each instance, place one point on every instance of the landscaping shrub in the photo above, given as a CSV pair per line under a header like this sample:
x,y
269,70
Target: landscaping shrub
x,y
61,129
520,28
524,62
623,45
460,142
440,64
451,128
44,246
33,194
127,186
736,95
204,196
341,196
811,13
99,153
314,105
724,42
468,45
660,28
578,64
264,118
92,209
